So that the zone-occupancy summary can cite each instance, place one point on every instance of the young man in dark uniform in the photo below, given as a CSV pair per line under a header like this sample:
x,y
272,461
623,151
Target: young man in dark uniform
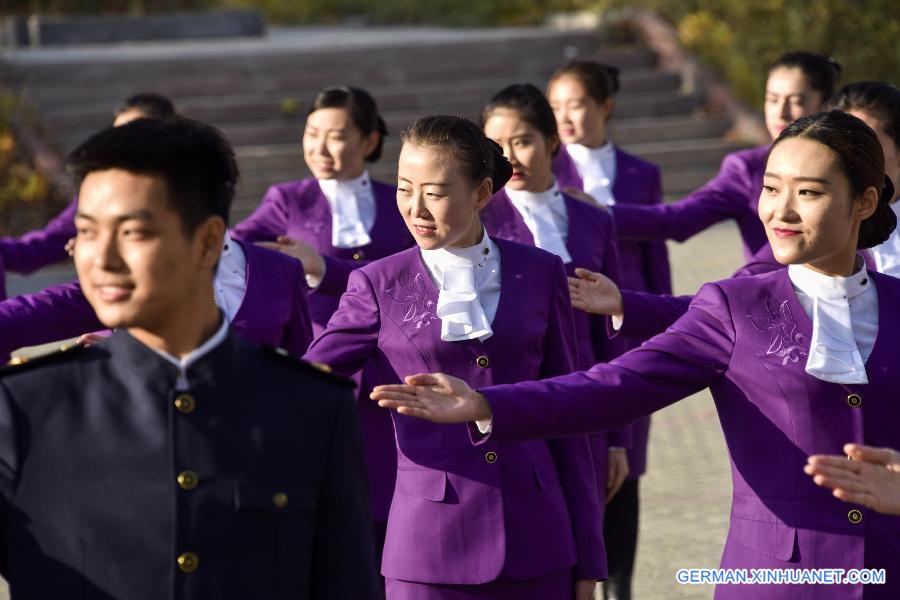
x,y
174,460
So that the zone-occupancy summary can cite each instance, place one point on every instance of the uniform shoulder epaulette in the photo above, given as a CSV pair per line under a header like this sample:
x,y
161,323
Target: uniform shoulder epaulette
x,y
20,364
320,370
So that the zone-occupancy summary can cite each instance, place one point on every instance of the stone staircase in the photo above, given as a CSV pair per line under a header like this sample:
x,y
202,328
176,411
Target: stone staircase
x,y
248,88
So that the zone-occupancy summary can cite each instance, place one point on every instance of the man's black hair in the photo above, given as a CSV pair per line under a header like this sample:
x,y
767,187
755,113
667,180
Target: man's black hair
x,y
154,106
195,159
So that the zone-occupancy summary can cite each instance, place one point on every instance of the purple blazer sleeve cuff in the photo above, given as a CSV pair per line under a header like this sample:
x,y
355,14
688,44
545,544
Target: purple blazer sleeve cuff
x,y
647,315
620,438
337,272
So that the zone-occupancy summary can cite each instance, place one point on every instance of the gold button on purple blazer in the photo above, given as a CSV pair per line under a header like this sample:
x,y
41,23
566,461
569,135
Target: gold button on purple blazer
x,y
591,243
460,514
747,339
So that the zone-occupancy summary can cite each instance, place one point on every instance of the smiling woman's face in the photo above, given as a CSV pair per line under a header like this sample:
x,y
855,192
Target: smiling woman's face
x,y
809,209
438,202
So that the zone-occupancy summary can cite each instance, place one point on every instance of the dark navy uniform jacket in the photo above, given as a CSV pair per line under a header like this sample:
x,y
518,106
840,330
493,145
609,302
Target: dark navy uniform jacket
x,y
249,484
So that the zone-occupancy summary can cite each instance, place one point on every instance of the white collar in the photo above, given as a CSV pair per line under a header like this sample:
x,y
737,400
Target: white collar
x,y
475,256
549,197
818,285
228,247
196,354
356,186
582,154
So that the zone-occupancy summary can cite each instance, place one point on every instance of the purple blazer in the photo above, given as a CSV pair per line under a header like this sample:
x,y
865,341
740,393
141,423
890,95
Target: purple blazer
x,y
732,194
300,210
656,313
644,264
747,339
274,311
460,514
41,247
591,243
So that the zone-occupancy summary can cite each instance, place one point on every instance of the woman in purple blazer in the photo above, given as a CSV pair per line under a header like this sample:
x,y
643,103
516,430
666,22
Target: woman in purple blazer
x,y
798,84
339,219
39,248
505,520
581,95
266,304
799,361
532,210
334,222
878,105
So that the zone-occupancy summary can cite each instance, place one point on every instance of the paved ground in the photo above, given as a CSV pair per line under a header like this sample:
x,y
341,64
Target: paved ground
x,y
686,492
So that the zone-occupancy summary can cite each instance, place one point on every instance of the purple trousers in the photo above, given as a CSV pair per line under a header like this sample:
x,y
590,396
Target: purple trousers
x,y
555,586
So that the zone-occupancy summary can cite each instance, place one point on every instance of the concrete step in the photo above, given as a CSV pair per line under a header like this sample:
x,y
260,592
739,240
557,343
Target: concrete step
x,y
281,130
243,105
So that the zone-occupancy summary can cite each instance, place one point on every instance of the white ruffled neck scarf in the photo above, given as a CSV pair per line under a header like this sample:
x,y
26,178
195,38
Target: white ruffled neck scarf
x,y
459,306
833,354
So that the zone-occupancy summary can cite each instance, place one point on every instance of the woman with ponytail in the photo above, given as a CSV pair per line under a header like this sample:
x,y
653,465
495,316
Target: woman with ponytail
x,y
338,219
499,521
800,361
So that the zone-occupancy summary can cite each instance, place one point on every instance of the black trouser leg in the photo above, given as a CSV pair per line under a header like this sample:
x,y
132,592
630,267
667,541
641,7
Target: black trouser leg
x,y
620,531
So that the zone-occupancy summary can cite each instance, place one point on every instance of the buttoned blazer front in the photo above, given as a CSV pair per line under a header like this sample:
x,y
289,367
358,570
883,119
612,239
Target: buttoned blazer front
x,y
643,264
300,210
748,340
274,311
591,243
108,475
462,515
732,194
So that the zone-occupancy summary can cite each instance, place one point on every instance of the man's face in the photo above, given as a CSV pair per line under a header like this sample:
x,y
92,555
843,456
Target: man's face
x,y
137,266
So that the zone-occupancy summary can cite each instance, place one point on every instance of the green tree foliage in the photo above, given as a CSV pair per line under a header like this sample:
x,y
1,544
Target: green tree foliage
x,y
740,38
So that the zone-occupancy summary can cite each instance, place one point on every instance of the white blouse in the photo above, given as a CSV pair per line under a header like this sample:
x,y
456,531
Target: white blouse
x,y
597,167
352,205
844,312
887,255
546,217
469,284
230,282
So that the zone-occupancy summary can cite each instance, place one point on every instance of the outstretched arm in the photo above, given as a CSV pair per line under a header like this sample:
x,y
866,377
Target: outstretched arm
x,y
694,353
41,247
726,196
59,312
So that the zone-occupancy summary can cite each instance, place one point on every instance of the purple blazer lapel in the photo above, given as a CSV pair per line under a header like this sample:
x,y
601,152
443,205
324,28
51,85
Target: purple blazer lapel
x,y
315,219
784,329
410,298
626,188
565,170
503,221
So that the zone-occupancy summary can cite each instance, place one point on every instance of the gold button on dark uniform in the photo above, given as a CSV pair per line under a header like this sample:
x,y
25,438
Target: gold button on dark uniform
x,y
359,255
187,480
185,403
854,516
188,562
280,500
491,457
482,361
854,400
